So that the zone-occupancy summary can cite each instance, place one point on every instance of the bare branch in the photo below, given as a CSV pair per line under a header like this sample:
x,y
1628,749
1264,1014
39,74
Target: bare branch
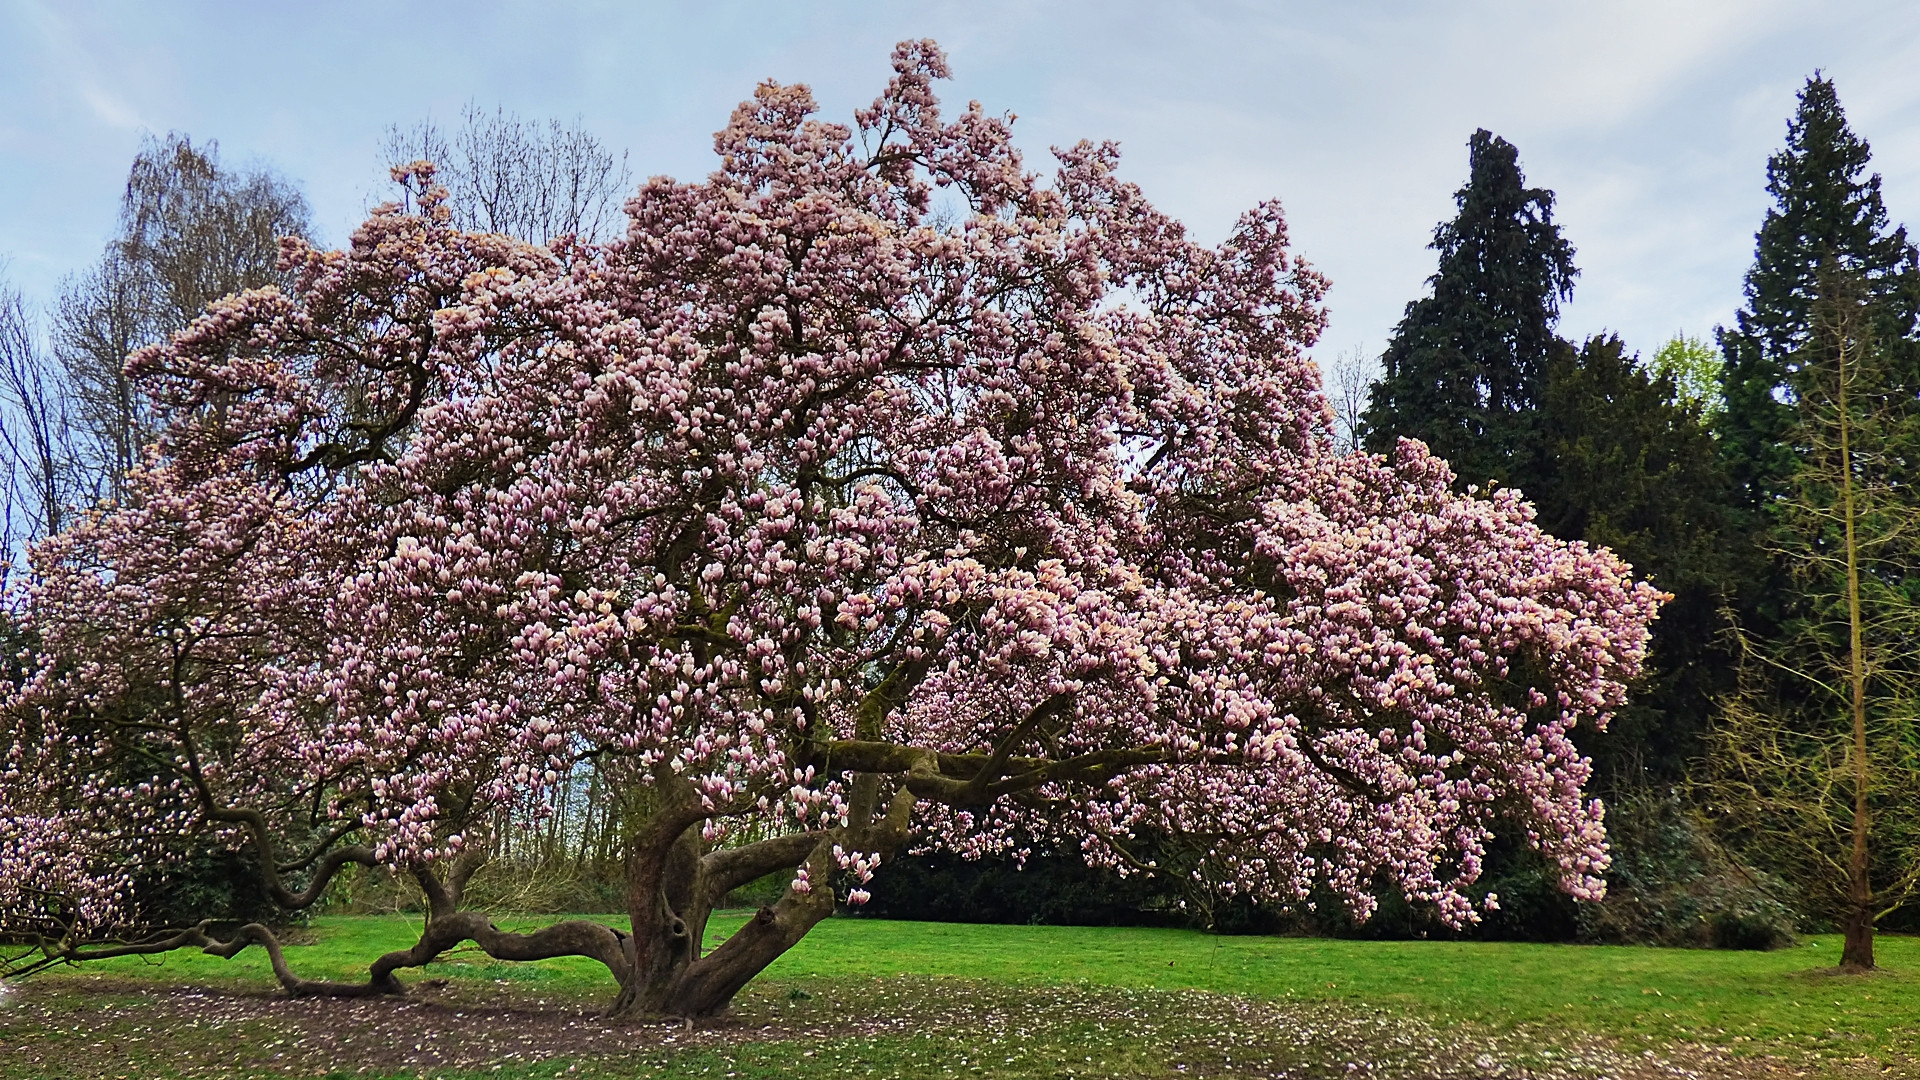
x,y
506,174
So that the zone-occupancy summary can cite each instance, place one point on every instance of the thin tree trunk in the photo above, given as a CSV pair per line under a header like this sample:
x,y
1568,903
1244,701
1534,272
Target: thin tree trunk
x,y
1857,953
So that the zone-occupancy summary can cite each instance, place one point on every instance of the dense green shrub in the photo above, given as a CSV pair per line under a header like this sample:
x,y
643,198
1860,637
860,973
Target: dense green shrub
x,y
1048,889
1670,885
205,883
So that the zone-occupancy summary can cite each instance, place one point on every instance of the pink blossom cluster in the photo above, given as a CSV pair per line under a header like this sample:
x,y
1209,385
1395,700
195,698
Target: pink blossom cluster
x,y
872,453
51,880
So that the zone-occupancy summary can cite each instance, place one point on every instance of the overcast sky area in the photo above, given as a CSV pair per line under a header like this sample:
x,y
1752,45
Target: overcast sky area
x,y
1651,121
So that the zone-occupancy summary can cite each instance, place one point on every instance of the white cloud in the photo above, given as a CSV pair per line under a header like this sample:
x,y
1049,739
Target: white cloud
x,y
67,59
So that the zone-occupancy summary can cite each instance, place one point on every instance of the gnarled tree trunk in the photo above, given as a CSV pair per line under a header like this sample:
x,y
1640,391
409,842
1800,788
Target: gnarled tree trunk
x,y
672,890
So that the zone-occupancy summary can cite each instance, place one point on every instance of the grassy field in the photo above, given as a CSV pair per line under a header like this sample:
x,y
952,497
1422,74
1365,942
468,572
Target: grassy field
x,y
928,999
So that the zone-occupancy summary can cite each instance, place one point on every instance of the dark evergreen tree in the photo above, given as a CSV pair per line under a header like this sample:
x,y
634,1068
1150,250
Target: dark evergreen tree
x,y
1611,454
1827,229
1827,215
1620,457
1607,452
1464,369
1625,461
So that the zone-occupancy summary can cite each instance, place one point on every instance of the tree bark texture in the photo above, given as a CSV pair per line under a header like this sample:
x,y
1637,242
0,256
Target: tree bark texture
x,y
673,889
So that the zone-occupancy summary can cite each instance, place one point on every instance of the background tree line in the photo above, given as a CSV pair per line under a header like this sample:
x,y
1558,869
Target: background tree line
x,y
1761,780
191,231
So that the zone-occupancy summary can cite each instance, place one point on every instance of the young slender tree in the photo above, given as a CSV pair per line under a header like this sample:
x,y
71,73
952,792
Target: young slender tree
x,y
1465,367
1831,276
1815,764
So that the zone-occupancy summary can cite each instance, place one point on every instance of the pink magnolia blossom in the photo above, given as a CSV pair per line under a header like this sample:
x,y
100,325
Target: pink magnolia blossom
x,y
874,487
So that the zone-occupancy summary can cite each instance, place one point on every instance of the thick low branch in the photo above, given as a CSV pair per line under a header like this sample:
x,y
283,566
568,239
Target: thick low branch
x,y
324,868
1099,765
973,779
574,937
443,897
729,868
950,778
197,938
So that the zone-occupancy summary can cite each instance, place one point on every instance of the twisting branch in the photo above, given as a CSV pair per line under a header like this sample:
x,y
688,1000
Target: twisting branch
x,y
196,937
729,868
996,764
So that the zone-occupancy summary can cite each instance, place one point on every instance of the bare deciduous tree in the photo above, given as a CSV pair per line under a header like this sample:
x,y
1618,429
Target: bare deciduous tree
x,y
190,233
1348,381
35,449
98,320
1814,764
528,180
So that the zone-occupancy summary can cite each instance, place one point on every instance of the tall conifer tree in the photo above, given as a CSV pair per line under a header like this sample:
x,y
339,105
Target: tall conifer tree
x,y
1813,762
1606,452
1827,218
1465,367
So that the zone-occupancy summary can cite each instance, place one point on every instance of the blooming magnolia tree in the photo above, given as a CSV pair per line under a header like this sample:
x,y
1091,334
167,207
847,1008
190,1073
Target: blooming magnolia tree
x,y
873,491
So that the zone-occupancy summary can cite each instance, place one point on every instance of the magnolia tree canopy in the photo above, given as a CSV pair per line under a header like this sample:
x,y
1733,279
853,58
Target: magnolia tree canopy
x,y
873,491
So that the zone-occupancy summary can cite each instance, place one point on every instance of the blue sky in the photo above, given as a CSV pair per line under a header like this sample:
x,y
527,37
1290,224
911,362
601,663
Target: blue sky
x,y
1651,121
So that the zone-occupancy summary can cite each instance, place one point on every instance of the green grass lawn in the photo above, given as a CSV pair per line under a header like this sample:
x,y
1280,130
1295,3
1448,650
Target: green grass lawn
x,y
1663,993
1776,1003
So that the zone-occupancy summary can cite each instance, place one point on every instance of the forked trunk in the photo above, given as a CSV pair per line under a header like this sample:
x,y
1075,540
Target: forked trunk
x,y
673,977
672,889
706,986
